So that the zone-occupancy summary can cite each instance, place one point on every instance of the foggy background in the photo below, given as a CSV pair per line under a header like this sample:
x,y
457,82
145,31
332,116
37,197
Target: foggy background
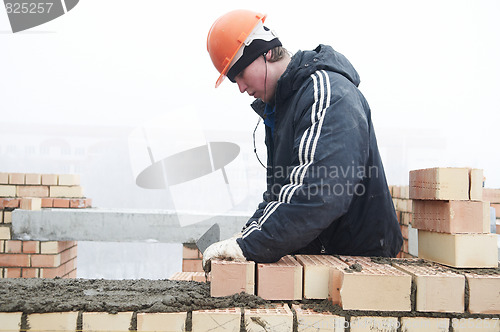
x,y
74,91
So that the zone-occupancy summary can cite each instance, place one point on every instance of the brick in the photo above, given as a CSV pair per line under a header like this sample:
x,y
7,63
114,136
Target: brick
x,y
9,203
406,218
30,272
2,246
7,217
92,321
491,195
496,206
451,216
4,232
32,191
7,191
31,203
50,247
14,260
13,247
189,251
14,272
217,320
52,272
192,265
475,324
317,274
16,178
31,247
33,179
49,179
424,324
484,293
281,280
171,321
4,178
71,274
279,319
459,250
189,276
80,203
11,321
68,254
404,231
38,260
376,287
1,216
47,202
370,324
439,184
53,321
61,203
438,290
311,321
230,277
69,180
66,191
476,184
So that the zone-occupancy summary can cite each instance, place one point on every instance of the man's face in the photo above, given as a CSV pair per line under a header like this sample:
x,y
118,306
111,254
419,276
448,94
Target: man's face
x,y
252,80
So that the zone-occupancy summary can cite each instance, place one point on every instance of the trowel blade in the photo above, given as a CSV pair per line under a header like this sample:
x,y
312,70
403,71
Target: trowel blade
x,y
210,236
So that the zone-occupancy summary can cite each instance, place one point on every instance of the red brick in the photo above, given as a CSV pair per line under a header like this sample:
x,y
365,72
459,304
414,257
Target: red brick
x,y
9,203
281,280
31,203
80,203
379,287
406,218
71,275
192,265
32,191
451,216
13,246
484,293
317,275
39,260
49,179
404,231
14,260
31,247
438,290
440,184
12,273
68,254
30,273
33,179
61,203
16,178
52,272
491,195
230,277
496,206
189,251
47,202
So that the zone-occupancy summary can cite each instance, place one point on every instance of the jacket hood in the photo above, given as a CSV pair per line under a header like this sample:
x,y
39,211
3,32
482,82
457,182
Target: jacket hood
x,y
304,63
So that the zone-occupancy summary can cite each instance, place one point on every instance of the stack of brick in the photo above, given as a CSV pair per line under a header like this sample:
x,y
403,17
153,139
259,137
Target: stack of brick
x,y
403,207
31,259
453,221
493,196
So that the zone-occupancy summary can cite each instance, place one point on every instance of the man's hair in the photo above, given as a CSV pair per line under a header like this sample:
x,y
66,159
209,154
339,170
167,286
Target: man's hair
x,y
278,53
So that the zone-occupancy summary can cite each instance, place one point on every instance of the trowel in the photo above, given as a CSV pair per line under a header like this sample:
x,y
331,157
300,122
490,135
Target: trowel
x,y
211,236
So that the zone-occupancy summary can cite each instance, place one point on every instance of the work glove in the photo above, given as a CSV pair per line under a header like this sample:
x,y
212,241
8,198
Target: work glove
x,y
227,250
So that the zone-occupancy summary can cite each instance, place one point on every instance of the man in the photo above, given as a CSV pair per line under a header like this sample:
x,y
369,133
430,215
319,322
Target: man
x,y
326,187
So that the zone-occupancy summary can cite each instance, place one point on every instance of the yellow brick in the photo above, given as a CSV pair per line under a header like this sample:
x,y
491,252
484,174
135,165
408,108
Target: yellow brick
x,y
424,324
4,178
311,321
2,246
4,232
66,191
31,203
1,216
475,324
7,191
171,321
33,179
49,179
279,319
16,178
484,293
476,184
49,247
217,320
11,321
55,321
370,324
440,183
69,180
100,321
459,250
7,217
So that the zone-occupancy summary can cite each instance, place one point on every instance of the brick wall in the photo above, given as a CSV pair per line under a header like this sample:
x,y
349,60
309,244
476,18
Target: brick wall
x,y
37,259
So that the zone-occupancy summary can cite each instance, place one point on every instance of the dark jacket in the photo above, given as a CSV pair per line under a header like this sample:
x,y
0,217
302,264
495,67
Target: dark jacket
x,y
326,186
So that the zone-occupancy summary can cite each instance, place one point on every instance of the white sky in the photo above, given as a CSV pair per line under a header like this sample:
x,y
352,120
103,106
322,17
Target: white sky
x,y
424,65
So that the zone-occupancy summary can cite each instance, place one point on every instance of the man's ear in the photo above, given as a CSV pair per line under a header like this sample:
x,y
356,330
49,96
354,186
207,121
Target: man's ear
x,y
268,55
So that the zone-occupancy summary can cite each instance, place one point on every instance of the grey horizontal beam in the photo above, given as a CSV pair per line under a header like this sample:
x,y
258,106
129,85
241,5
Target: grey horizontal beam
x,y
117,225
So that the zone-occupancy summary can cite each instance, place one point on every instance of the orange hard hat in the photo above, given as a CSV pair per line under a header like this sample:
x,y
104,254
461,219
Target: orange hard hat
x,y
227,35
